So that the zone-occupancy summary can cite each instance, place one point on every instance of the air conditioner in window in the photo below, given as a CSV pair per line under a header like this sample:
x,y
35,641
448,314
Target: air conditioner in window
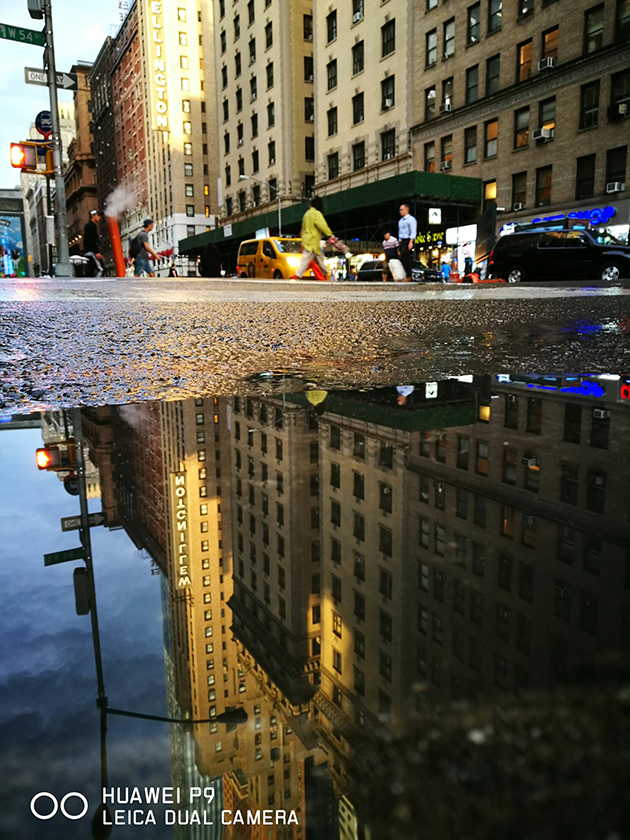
x,y
272,161
311,118
601,414
529,462
615,186
357,16
518,205
389,103
254,96
388,155
546,63
561,591
526,519
542,134
308,37
240,142
512,398
445,107
623,109
599,481
446,165
309,78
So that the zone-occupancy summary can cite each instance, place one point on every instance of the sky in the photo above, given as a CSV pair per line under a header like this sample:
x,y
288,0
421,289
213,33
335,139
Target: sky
x,y
80,27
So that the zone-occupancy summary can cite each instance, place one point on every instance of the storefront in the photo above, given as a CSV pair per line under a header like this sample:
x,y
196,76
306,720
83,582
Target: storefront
x,y
611,216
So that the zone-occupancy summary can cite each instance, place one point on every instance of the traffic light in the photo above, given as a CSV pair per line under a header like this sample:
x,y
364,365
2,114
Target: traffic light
x,y
24,156
58,457
36,9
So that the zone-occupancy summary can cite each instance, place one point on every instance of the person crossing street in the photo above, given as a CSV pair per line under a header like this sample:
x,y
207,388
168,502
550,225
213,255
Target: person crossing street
x,y
92,246
407,231
314,229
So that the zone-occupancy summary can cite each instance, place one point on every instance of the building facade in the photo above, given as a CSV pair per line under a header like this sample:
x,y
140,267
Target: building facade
x,y
530,97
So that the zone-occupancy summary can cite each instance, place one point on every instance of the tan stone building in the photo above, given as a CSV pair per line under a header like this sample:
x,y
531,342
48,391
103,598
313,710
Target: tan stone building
x,y
264,104
531,97
364,87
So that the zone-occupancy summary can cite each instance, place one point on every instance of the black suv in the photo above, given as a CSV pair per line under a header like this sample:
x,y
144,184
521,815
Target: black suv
x,y
559,255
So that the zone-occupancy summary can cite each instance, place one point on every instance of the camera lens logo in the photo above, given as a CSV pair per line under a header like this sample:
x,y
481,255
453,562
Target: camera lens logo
x,y
56,806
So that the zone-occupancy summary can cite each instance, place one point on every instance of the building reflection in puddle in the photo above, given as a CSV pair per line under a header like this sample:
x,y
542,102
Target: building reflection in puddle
x,y
420,596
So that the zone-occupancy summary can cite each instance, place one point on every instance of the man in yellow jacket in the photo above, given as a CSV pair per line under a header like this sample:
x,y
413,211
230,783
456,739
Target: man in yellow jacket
x,y
314,229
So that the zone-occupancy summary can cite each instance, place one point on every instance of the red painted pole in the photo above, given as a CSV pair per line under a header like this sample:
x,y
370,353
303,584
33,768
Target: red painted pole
x,y
114,235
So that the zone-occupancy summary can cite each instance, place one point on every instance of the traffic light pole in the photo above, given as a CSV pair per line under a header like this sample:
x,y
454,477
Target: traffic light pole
x,y
64,268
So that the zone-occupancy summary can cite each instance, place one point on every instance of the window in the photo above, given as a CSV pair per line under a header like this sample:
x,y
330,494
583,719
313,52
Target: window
x,y
493,68
385,625
385,584
335,550
526,582
308,68
237,27
388,93
252,50
547,114
358,155
308,27
181,15
479,559
359,526
616,162
424,533
357,108
491,134
332,121
388,38
550,43
333,166
429,102
473,30
388,144
595,491
359,566
593,29
525,7
336,660
470,144
335,513
239,100
385,502
385,666
507,521
543,186
476,607
495,14
429,156
335,437
359,607
481,462
472,84
449,38
385,541
600,430
271,117
336,588
190,210
524,61
431,47
358,58
271,152
519,196
447,91
438,534
521,128
619,93
446,148
335,475
589,105
509,466
331,71
309,109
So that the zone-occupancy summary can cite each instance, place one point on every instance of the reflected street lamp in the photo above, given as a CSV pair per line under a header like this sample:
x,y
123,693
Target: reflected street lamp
x,y
271,187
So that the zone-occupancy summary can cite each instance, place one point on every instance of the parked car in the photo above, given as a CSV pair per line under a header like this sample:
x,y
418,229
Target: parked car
x,y
559,255
276,258
373,270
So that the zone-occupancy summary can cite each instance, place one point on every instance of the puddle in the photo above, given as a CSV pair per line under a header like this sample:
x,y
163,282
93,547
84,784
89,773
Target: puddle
x,y
399,612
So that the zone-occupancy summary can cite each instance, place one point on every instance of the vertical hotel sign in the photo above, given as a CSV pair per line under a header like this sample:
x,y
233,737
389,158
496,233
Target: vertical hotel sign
x,y
157,53
180,530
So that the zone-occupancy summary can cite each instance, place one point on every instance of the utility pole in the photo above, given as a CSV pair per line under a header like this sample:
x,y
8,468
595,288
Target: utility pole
x,y
64,268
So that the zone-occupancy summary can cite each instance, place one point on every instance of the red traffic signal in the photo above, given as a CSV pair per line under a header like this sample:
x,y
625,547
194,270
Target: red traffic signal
x,y
24,156
59,457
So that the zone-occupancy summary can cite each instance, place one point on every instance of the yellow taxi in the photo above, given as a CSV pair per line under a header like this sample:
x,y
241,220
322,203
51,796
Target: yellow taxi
x,y
274,258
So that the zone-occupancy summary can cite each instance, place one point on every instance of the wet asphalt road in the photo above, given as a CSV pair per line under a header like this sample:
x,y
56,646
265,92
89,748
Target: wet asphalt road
x,y
69,342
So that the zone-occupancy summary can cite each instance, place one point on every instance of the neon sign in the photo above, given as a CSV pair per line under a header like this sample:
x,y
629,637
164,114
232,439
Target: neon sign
x,y
596,216
584,389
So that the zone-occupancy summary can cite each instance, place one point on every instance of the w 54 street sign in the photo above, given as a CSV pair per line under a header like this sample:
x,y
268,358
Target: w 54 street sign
x,y
24,36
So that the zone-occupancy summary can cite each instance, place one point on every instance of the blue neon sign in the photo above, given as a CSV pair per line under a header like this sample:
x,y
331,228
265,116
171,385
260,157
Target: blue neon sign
x,y
596,216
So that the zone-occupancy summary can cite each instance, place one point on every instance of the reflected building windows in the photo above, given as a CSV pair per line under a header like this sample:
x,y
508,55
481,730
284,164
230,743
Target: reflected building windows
x,y
358,485
459,596
507,521
358,530
461,503
359,566
385,626
534,415
479,559
359,681
385,584
463,446
336,588
385,666
359,604
476,607
511,411
481,463
572,423
423,579
358,447
569,474
526,582
386,456
335,437
359,644
461,550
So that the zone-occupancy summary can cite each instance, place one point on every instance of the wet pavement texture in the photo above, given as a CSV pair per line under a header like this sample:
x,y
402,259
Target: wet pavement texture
x,y
400,613
68,342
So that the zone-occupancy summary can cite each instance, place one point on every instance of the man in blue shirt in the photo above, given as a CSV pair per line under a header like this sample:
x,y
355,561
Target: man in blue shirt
x,y
407,231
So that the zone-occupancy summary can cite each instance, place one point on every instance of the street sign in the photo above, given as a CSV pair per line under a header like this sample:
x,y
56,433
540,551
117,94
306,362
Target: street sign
x,y
25,36
43,123
65,81
73,523
64,556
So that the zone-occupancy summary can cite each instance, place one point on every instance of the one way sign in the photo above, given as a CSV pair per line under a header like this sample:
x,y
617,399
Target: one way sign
x,y
65,81
73,523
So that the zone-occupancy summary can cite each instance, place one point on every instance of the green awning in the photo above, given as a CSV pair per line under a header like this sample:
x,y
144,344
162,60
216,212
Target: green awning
x,y
421,186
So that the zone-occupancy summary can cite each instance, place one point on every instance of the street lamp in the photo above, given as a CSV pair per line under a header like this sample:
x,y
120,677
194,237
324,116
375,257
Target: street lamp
x,y
271,187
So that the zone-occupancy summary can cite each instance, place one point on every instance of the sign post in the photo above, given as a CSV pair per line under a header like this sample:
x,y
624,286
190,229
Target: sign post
x,y
64,556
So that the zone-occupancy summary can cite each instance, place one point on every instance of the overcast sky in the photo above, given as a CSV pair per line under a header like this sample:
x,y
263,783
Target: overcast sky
x,y
80,29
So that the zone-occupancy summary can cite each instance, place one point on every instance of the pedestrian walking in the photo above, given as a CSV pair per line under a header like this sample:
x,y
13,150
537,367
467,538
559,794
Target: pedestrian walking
x,y
390,249
468,260
142,252
407,231
314,228
210,264
92,246
172,271
445,268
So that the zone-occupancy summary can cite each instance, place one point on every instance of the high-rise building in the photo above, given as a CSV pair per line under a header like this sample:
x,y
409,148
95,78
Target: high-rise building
x,y
265,104
532,98
80,175
104,134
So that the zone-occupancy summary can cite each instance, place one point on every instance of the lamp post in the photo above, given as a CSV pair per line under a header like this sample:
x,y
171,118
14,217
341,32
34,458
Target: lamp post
x,y
271,187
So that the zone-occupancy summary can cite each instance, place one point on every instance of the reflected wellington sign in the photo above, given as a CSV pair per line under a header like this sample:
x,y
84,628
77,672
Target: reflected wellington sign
x,y
159,87
181,558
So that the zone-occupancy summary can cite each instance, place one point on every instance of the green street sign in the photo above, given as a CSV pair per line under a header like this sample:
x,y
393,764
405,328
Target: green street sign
x,y
63,556
24,36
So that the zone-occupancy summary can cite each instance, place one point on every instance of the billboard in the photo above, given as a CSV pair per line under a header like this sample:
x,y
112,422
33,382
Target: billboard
x,y
12,259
